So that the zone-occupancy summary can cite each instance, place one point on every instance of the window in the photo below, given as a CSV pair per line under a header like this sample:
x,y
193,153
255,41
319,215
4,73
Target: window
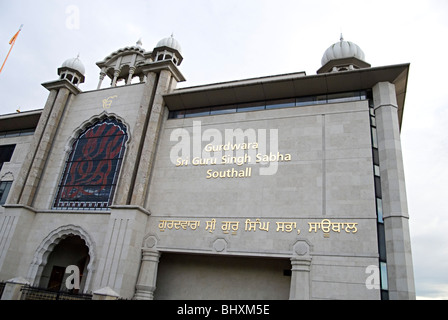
x,y
92,168
344,97
197,112
6,153
222,110
379,209
284,103
5,186
177,114
383,272
272,104
251,106
305,101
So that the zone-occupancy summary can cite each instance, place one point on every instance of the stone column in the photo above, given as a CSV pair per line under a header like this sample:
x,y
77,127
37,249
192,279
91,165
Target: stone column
x,y
133,152
19,183
116,74
150,140
44,147
131,74
300,278
395,211
147,278
102,75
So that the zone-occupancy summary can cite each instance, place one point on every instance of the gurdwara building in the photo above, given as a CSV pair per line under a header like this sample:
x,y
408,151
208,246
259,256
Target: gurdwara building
x,y
286,186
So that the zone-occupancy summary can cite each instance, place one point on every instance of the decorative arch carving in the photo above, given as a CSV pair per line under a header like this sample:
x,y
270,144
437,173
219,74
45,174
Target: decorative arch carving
x,y
90,122
8,176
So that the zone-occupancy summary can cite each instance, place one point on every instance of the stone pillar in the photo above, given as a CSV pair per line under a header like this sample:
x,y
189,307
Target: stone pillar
x,y
45,144
114,80
300,278
19,183
147,278
131,74
102,75
13,287
133,151
395,211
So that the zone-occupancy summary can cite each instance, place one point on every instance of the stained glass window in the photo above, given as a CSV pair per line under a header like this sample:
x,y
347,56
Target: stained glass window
x,y
92,168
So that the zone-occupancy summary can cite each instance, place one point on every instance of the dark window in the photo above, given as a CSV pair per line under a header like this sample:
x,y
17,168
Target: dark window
x,y
274,104
284,103
6,153
381,242
363,95
197,112
305,101
222,110
5,186
92,168
321,99
177,114
343,97
376,157
378,187
253,106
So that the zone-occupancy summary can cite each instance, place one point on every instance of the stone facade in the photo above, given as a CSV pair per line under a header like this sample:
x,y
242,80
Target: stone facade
x,y
290,213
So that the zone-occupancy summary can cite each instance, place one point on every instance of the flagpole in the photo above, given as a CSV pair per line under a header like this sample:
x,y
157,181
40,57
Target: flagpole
x,y
12,45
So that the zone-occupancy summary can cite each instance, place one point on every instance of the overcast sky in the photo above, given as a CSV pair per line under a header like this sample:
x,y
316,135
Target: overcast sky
x,y
231,40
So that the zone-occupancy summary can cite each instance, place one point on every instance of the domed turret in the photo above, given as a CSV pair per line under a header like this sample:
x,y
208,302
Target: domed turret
x,y
343,56
169,42
72,70
75,64
343,49
168,49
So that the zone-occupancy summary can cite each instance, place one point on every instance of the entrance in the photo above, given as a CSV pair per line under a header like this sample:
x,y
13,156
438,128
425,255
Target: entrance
x,y
202,277
69,251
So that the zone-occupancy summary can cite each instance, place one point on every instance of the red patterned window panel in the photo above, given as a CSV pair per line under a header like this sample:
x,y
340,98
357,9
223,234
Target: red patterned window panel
x,y
92,169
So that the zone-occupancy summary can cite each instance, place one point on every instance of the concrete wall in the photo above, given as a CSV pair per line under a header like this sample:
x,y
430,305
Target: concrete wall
x,y
329,176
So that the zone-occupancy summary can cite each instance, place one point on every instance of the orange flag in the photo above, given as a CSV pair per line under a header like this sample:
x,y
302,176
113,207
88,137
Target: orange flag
x,y
14,37
11,42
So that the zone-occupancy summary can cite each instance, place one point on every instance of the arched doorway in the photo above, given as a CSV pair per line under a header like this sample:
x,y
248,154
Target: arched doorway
x,y
70,251
46,248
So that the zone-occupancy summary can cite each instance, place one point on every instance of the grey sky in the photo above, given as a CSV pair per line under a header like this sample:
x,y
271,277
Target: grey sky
x,y
230,40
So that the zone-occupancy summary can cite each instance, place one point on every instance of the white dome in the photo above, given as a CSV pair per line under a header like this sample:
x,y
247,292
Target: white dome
x,y
76,64
342,49
169,42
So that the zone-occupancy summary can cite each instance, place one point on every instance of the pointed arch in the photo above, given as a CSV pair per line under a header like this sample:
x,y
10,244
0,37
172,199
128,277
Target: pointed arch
x,y
95,153
90,122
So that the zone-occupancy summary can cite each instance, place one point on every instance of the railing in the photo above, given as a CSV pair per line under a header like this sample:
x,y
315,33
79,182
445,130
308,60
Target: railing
x,y
35,293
